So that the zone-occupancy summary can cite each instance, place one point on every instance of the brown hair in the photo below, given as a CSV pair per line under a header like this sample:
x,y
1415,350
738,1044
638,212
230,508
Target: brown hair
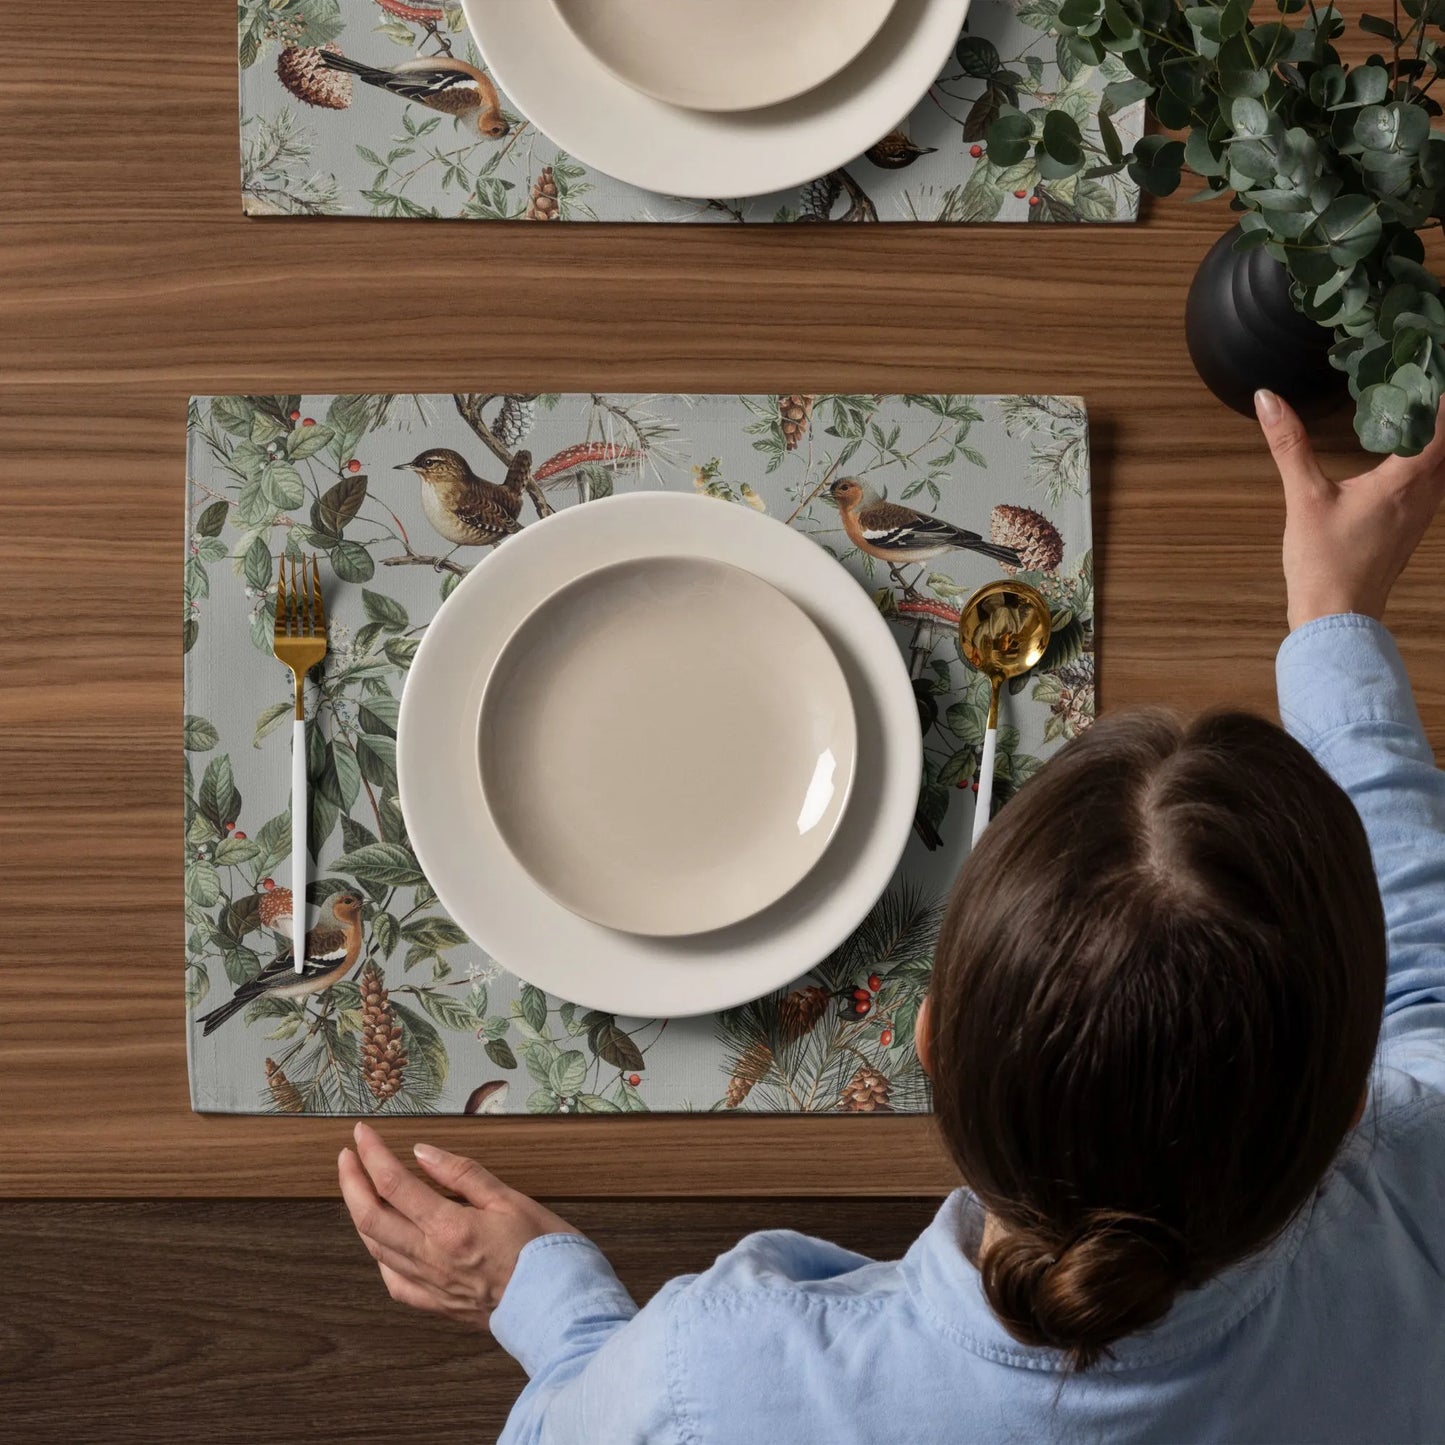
x,y
1156,1001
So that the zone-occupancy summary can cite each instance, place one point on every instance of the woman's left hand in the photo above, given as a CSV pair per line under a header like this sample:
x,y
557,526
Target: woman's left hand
x,y
451,1258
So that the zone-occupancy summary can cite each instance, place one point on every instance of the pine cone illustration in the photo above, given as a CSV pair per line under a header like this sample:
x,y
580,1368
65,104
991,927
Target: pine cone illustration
x,y
800,1010
1030,534
544,205
284,1094
514,421
383,1059
302,73
896,151
752,1066
796,413
818,197
866,1093
1074,707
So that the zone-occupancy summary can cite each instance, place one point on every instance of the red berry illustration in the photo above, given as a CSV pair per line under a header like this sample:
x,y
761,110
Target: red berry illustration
x,y
230,827
861,1007
1020,194
295,416
874,982
1033,200
974,785
268,884
975,151
353,465
634,1079
861,993
239,836
311,420
886,1037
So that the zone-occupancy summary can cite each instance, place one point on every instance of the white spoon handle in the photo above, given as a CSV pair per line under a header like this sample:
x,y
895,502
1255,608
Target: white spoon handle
x,y
300,812
983,804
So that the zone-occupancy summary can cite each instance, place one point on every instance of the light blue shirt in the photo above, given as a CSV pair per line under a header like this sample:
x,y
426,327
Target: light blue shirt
x,y
1334,1332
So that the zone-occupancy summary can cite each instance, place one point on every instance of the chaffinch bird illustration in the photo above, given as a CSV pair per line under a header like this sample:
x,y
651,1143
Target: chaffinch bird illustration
x,y
899,535
465,509
439,82
331,949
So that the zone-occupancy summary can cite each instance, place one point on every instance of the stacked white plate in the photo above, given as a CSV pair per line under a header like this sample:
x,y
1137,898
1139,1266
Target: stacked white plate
x,y
658,754
715,98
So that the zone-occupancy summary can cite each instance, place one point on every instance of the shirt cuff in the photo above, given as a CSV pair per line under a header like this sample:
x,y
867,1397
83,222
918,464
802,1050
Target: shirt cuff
x,y
559,1281
1340,670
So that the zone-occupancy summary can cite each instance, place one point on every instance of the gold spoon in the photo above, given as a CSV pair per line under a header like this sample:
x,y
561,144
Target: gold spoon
x,y
1003,631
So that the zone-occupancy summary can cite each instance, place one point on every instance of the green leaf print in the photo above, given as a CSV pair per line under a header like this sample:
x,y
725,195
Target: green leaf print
x,y
212,520
198,735
385,863
499,1051
337,505
386,611
352,562
534,1007
568,1072
217,797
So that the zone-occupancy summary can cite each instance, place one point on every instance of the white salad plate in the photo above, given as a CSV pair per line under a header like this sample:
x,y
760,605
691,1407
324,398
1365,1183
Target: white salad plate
x,y
578,103
724,54
667,745
494,898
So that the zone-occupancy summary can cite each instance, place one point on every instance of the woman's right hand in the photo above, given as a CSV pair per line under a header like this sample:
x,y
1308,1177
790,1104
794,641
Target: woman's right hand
x,y
1346,543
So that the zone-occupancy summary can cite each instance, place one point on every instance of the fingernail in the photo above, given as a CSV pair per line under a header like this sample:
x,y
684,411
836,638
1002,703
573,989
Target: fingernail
x,y
426,1153
341,1157
358,1131
1267,407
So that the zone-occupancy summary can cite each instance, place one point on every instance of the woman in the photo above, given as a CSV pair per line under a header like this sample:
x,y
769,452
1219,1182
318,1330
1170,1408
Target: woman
x,y
1206,1185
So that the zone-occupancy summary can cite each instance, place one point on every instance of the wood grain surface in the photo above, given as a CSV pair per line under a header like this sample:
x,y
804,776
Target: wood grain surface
x,y
231,1323
129,279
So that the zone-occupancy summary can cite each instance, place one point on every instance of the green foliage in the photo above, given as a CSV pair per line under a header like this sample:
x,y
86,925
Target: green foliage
x,y
1333,168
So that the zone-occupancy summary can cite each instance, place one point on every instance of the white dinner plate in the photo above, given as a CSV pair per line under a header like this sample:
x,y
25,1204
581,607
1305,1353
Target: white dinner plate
x,y
493,898
667,745
563,90
724,54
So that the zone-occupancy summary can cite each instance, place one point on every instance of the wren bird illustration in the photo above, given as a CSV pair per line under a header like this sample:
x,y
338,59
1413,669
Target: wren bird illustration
x,y
899,536
439,82
897,151
331,949
465,509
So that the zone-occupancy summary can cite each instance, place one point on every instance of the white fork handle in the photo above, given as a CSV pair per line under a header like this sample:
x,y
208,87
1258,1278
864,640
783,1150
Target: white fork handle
x,y
983,804
300,812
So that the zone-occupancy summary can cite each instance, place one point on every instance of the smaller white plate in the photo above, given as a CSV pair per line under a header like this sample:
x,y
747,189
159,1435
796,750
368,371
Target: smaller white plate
x,y
725,55
667,745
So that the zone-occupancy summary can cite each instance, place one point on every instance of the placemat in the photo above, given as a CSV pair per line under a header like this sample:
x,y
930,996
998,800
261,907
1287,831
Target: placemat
x,y
316,142
275,474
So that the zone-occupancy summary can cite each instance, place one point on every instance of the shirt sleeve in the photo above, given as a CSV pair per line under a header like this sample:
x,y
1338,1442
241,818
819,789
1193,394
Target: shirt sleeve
x,y
1344,693
597,1365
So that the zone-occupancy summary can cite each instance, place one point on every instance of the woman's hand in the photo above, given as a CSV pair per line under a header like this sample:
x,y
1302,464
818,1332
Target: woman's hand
x,y
1346,543
451,1258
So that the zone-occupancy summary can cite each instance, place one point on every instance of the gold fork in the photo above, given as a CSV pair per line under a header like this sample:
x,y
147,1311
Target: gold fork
x,y
299,642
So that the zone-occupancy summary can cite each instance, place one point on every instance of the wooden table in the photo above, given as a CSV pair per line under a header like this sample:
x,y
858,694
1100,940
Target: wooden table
x,y
129,279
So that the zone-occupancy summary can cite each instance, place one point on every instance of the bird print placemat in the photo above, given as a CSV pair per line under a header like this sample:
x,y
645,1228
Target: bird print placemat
x,y
921,497
381,108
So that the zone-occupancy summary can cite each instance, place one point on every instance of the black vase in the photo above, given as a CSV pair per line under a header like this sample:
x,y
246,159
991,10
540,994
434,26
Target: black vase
x,y
1244,333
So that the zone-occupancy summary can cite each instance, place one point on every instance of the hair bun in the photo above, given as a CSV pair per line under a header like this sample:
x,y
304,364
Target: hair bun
x,y
1119,1273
